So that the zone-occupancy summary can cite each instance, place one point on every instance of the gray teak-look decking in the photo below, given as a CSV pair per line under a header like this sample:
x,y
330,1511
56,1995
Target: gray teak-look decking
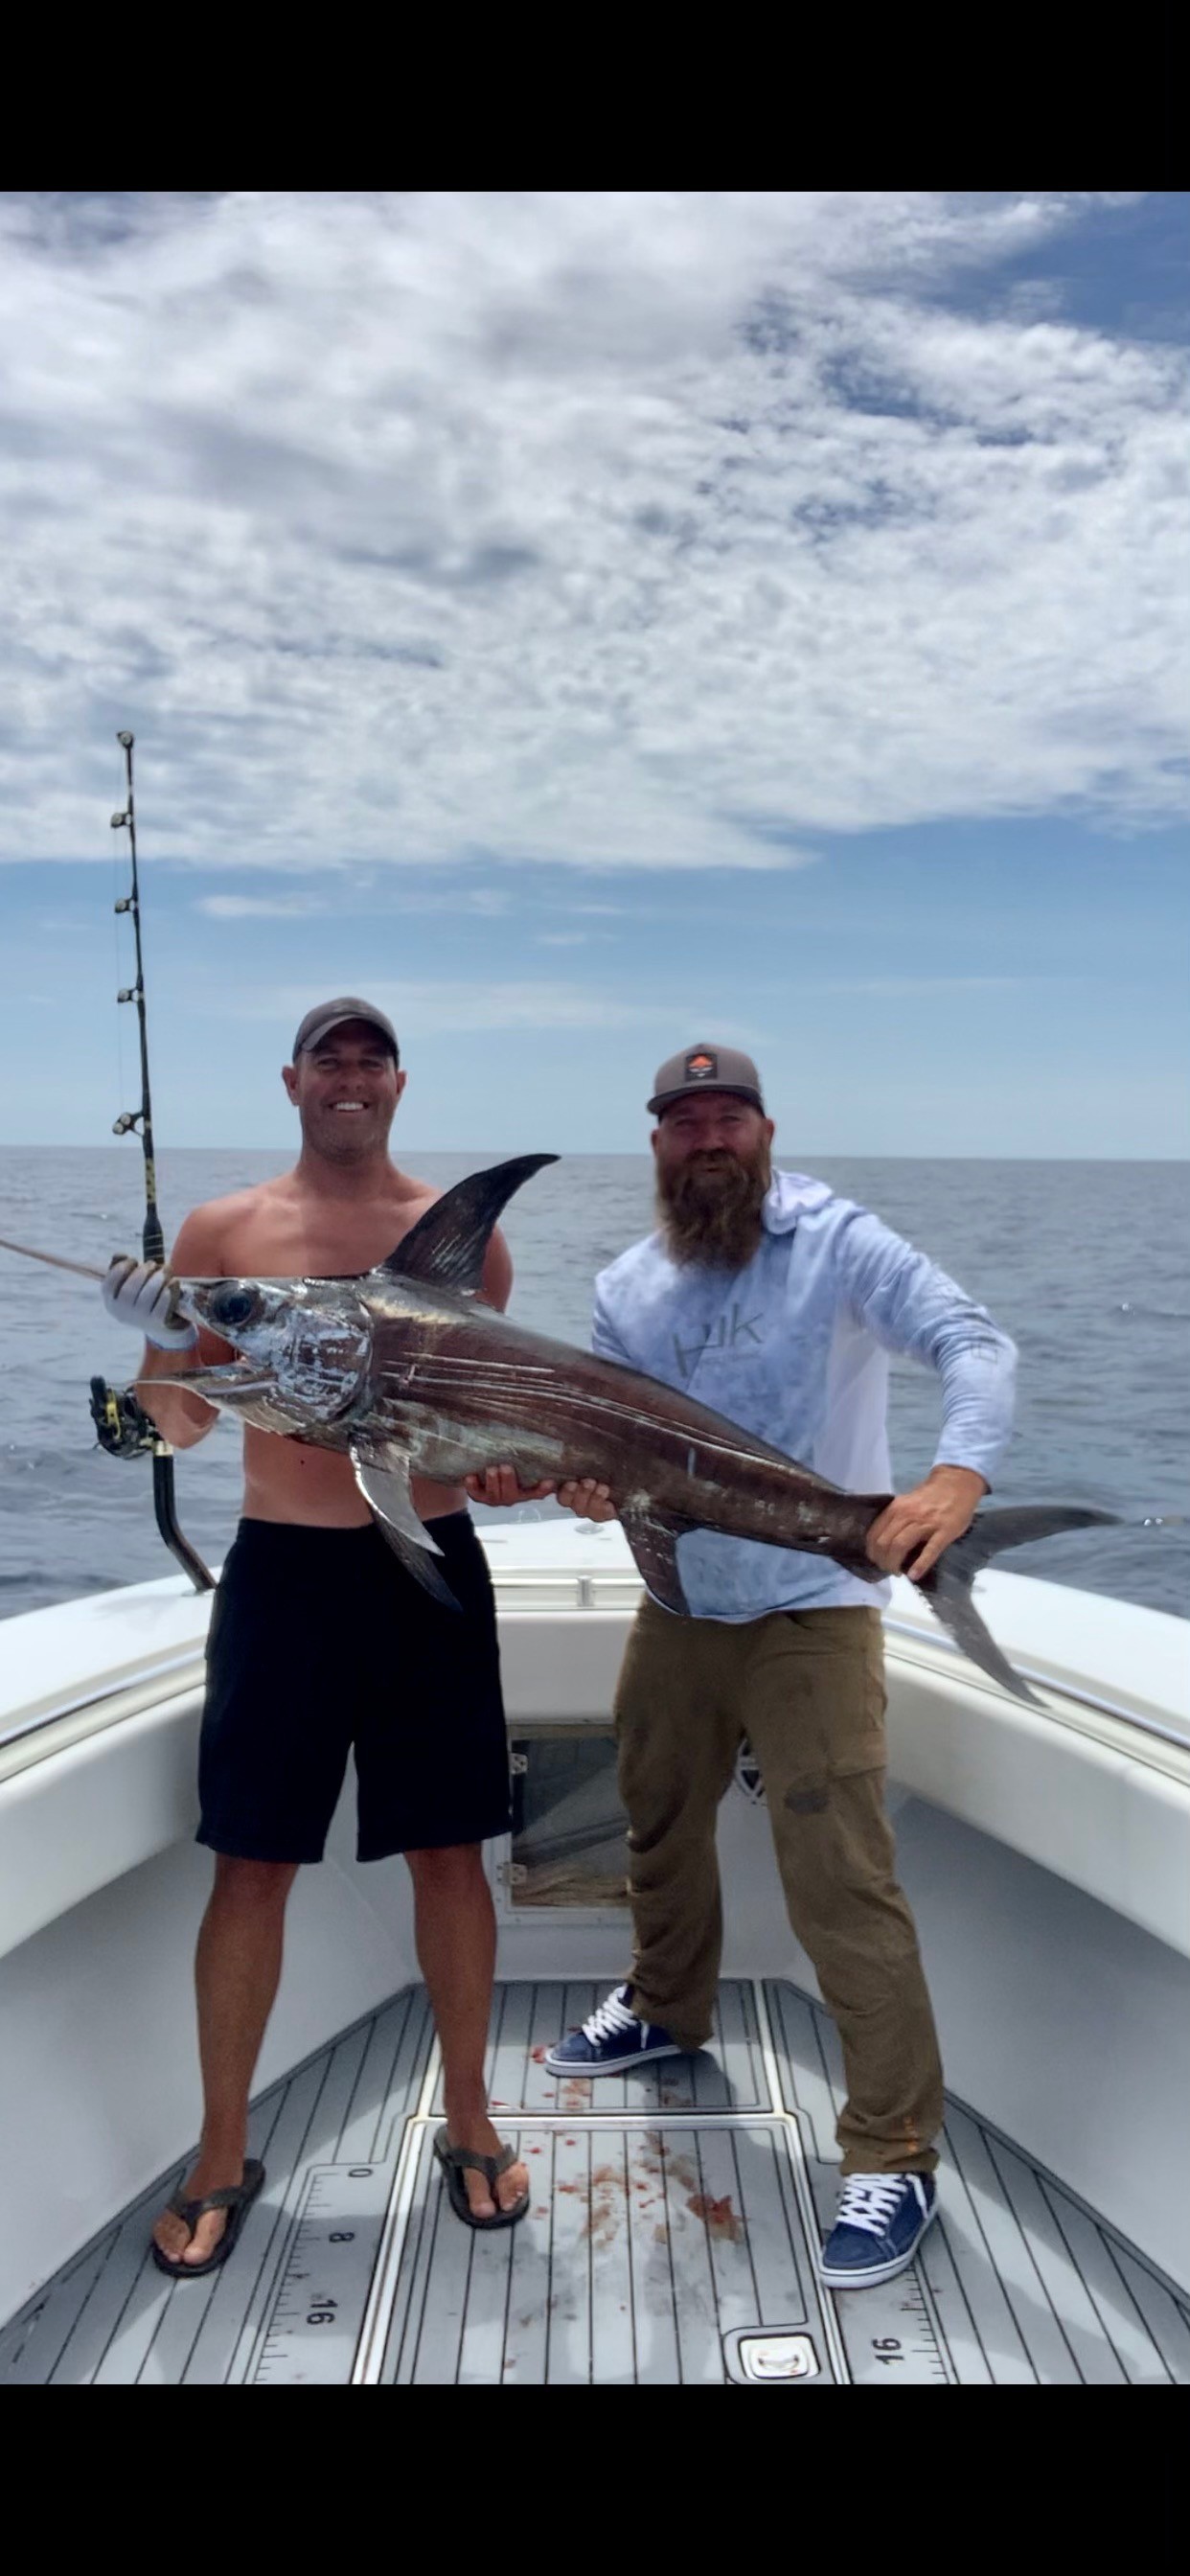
x,y
671,2238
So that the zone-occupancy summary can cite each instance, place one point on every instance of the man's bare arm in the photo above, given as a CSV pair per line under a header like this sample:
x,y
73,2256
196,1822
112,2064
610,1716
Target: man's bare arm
x,y
185,1419
496,1288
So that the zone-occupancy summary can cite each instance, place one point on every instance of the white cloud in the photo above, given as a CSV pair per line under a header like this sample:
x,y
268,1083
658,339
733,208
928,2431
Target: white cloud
x,y
248,907
426,1009
640,529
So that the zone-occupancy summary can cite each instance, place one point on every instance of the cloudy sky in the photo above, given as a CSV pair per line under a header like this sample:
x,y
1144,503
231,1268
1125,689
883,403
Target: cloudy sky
x,y
592,623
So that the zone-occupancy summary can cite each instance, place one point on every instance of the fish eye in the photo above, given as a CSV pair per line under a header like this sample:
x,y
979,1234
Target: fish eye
x,y
233,1306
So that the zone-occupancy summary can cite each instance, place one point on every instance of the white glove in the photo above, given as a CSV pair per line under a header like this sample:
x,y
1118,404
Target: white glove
x,y
142,1294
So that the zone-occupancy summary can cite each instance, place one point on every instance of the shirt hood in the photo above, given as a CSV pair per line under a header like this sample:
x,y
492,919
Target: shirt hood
x,y
793,1194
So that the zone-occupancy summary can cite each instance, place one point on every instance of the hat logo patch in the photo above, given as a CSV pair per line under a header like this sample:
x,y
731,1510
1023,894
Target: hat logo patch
x,y
701,1066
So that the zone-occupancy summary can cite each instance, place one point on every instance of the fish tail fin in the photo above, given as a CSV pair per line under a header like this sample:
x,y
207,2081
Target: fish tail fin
x,y
948,1587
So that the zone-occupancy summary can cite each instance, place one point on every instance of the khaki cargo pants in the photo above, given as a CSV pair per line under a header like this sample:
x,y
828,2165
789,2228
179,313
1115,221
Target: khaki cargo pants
x,y
807,1689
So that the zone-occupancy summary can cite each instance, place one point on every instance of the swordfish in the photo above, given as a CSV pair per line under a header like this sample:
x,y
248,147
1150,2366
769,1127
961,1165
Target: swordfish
x,y
408,1371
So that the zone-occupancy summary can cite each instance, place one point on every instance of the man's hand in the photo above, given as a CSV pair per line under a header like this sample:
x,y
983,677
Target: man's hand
x,y
499,1487
583,1495
144,1294
921,1524
591,1501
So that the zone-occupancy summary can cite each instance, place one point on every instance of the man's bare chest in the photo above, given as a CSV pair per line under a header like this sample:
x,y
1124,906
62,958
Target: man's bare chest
x,y
285,1243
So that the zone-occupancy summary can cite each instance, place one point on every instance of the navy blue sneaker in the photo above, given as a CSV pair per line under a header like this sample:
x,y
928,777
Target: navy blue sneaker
x,y
611,2041
881,2221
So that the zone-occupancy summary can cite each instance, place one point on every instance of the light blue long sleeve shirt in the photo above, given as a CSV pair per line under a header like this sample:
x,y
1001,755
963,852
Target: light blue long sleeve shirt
x,y
795,1348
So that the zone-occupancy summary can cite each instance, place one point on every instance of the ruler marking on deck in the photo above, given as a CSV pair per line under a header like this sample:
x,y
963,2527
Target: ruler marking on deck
x,y
312,2328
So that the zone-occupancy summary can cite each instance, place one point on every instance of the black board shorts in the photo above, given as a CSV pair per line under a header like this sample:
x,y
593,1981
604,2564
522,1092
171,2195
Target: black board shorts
x,y
321,1643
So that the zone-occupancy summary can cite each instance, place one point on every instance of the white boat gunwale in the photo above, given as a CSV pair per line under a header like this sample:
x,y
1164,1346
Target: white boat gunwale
x,y
189,1665
1117,1777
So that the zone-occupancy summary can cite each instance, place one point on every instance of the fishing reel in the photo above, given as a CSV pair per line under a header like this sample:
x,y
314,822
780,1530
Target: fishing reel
x,y
122,1426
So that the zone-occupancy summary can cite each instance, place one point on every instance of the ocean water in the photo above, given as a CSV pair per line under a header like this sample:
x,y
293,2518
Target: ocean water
x,y
1087,1265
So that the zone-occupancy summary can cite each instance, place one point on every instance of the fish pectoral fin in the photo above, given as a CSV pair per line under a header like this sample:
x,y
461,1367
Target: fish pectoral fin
x,y
383,1480
382,1474
448,1244
653,1538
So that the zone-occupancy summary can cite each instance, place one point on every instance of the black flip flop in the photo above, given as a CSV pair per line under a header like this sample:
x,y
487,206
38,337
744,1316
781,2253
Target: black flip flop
x,y
237,2200
455,2161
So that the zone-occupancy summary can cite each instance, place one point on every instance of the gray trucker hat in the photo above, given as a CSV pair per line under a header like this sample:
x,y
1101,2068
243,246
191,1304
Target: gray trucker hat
x,y
706,1068
326,1016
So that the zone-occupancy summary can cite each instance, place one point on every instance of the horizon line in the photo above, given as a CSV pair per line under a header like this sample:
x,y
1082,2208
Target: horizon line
x,y
596,1154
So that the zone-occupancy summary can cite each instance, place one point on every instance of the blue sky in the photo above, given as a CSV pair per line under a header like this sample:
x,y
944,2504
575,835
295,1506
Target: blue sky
x,y
589,623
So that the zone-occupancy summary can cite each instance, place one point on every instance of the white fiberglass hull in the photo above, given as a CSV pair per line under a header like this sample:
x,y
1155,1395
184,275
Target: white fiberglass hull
x,y
1045,1857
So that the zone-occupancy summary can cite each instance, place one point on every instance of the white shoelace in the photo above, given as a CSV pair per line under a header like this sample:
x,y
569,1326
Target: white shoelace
x,y
610,2019
869,2200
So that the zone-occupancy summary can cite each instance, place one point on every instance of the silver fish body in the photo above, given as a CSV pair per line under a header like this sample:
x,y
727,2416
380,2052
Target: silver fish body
x,y
408,1372
451,1387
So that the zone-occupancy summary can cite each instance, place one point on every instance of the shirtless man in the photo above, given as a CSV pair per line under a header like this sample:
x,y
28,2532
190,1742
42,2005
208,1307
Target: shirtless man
x,y
320,1641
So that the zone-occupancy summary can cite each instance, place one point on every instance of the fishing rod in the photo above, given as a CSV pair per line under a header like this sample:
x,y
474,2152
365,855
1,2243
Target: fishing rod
x,y
123,1427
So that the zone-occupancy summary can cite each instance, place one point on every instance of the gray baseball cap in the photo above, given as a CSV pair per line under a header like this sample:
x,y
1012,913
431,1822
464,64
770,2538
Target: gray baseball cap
x,y
706,1068
326,1016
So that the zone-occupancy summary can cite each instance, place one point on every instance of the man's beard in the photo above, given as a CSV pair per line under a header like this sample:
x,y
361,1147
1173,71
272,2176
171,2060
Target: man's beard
x,y
709,1206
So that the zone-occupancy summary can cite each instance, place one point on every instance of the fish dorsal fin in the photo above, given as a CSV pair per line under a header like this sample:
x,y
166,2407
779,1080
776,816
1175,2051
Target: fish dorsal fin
x,y
448,1243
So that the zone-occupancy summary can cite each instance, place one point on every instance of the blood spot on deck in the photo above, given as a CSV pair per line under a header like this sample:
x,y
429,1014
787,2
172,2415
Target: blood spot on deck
x,y
609,2200
718,2216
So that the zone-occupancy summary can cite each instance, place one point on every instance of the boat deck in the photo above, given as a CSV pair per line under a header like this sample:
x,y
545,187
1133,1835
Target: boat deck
x,y
670,2240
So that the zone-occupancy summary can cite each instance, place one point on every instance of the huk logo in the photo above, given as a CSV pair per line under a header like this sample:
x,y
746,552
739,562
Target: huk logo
x,y
700,1066
724,1337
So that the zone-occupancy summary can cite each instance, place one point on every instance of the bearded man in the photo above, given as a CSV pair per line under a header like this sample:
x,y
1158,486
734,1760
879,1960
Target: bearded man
x,y
772,1300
